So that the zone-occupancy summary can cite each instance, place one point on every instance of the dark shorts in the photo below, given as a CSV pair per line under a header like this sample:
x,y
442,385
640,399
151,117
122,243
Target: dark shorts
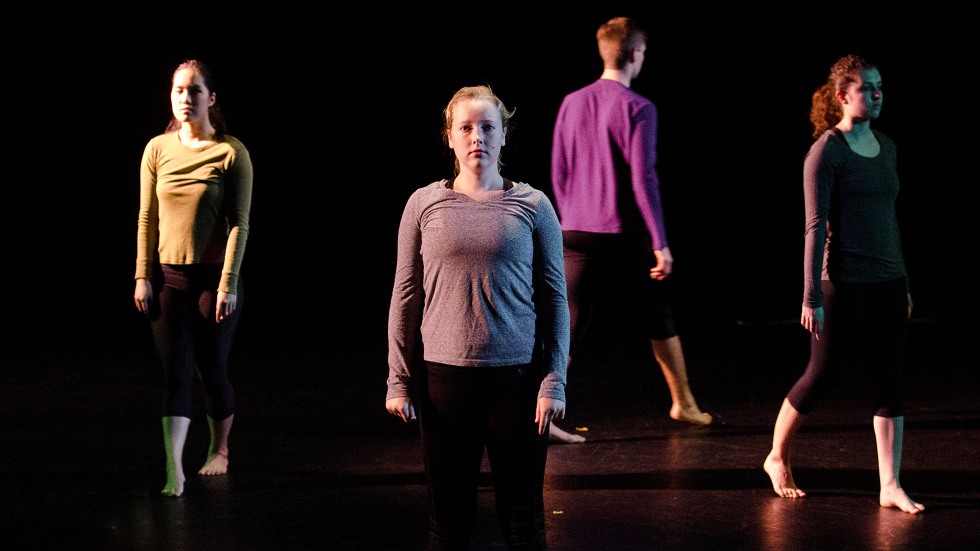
x,y
600,268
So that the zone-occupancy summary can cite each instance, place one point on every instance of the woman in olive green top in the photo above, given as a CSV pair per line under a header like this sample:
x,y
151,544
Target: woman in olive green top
x,y
195,196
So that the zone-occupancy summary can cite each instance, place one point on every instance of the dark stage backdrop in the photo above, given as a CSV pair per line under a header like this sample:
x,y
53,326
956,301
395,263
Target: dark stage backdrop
x,y
340,110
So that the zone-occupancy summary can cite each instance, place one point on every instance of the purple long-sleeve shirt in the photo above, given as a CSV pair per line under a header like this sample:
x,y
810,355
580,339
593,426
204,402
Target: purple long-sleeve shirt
x,y
604,162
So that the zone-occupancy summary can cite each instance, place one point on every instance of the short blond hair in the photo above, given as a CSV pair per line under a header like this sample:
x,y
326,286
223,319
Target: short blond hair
x,y
617,39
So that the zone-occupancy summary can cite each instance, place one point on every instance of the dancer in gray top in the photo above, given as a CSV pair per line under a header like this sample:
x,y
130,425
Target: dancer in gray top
x,y
478,330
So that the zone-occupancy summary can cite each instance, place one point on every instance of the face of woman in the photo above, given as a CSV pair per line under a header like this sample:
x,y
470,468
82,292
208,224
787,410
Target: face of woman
x,y
862,100
477,134
189,97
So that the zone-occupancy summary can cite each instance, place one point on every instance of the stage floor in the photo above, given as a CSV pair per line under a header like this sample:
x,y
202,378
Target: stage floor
x,y
316,462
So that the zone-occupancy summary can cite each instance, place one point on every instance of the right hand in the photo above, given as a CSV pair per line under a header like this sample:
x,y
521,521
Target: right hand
x,y
401,407
812,320
143,297
665,264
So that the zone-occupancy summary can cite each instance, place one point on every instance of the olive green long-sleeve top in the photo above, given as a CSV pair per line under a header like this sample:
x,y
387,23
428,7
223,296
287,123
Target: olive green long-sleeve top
x,y
194,206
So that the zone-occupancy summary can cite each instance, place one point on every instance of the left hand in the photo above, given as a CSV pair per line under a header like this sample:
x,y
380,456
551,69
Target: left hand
x,y
548,409
226,306
909,295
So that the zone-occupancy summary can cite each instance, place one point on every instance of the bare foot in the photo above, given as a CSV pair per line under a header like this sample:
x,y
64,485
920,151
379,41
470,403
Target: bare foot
x,y
217,464
691,414
896,497
174,487
782,478
558,436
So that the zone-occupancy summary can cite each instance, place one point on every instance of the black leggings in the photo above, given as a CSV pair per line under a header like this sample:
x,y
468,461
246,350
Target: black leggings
x,y
464,410
865,325
189,341
603,265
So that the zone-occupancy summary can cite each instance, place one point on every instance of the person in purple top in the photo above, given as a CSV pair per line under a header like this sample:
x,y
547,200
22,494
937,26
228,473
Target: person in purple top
x,y
607,194
856,300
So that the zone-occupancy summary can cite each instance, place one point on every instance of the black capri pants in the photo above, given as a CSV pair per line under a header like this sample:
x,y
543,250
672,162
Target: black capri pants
x,y
865,327
190,343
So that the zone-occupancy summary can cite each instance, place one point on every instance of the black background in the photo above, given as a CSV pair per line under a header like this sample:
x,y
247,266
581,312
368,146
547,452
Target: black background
x,y
340,109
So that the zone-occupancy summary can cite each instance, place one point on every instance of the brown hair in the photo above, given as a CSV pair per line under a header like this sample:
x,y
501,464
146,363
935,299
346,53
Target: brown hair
x,y
215,115
825,110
